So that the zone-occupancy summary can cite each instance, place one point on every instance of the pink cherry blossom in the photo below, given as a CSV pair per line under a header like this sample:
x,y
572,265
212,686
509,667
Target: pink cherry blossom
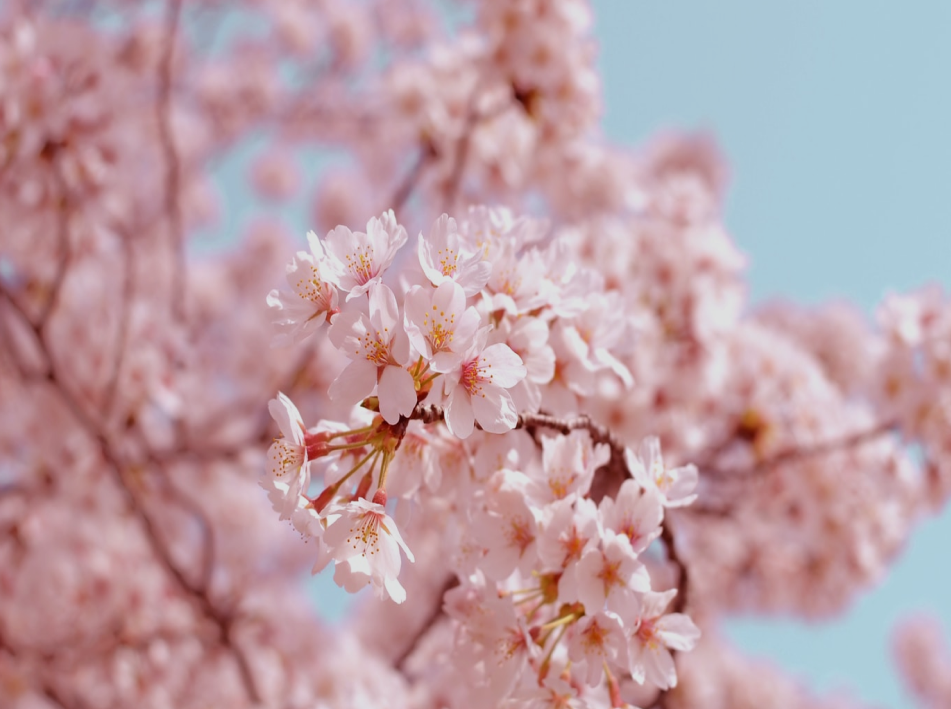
x,y
476,390
673,485
609,575
364,530
439,324
656,635
312,300
358,259
636,513
379,348
443,256
597,640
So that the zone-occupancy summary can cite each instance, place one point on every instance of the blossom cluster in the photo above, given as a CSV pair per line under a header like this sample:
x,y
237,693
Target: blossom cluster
x,y
491,324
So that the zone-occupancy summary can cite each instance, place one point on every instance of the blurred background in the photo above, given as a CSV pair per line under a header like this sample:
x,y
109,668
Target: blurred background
x,y
833,118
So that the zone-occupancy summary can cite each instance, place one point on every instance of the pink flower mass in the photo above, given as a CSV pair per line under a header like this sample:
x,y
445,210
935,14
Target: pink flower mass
x,y
554,403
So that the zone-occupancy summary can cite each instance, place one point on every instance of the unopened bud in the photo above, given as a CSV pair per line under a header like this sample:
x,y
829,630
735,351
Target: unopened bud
x,y
324,498
317,444
364,487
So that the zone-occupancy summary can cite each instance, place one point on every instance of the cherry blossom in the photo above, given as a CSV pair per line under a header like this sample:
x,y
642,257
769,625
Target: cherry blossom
x,y
443,256
312,300
168,479
440,326
364,531
656,635
597,640
358,259
379,349
673,485
476,390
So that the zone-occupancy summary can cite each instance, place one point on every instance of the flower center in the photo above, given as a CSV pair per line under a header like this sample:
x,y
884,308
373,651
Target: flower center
x,y
366,532
360,264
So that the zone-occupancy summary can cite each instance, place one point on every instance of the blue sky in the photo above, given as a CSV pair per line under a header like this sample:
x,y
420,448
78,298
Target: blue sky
x,y
835,119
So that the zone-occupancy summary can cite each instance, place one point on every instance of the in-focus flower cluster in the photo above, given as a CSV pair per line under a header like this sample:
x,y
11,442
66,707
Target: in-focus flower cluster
x,y
484,325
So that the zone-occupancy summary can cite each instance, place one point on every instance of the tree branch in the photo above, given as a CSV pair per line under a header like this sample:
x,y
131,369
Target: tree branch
x,y
172,162
223,621
797,454
122,335
63,245
435,614
408,184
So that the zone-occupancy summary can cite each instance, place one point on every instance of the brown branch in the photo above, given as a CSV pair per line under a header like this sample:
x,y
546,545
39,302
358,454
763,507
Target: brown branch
x,y
122,335
65,251
223,621
408,184
435,614
172,162
609,476
797,454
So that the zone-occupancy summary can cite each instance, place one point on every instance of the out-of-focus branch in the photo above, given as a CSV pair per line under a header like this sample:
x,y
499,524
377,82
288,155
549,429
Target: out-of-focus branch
x,y
62,245
435,614
409,182
122,334
207,563
463,145
222,620
169,150
798,453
